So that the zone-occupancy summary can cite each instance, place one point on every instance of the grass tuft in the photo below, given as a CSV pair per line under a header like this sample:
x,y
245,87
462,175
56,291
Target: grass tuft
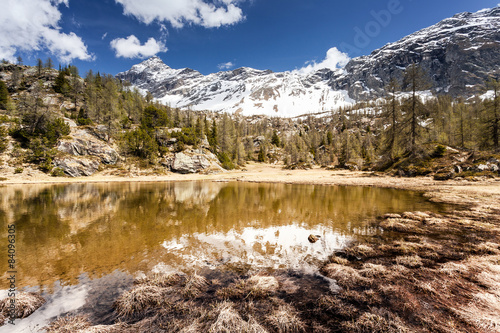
x,y
26,304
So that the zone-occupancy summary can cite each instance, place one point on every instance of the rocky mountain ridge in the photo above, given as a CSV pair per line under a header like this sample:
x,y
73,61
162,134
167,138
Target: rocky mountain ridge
x,y
458,53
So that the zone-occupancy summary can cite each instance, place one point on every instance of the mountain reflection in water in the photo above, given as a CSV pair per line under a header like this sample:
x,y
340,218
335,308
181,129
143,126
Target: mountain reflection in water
x,y
64,231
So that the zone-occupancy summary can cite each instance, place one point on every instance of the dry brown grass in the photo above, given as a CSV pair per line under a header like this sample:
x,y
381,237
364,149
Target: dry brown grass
x,y
361,250
409,261
401,225
285,320
195,285
374,323
339,260
139,299
68,324
345,276
26,304
161,279
229,321
257,286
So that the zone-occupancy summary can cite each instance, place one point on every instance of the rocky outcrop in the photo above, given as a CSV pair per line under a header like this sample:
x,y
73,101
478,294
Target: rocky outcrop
x,y
458,54
84,144
77,166
193,161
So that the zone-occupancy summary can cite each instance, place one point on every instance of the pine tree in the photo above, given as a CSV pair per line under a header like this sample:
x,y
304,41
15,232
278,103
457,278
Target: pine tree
x,y
414,80
493,113
4,95
275,140
212,137
391,115
39,66
49,63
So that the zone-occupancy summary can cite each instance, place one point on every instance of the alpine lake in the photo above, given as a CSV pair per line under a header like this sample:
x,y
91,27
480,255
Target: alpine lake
x,y
82,245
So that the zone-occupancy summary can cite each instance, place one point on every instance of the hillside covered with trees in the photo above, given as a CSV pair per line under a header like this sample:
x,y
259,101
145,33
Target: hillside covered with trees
x,y
45,110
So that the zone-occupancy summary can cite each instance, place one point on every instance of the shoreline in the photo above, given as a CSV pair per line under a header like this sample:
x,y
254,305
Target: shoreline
x,y
425,272
449,191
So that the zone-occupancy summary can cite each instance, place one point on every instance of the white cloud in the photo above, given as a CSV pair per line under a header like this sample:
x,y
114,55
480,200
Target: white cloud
x,y
180,12
226,65
104,36
131,47
334,59
32,25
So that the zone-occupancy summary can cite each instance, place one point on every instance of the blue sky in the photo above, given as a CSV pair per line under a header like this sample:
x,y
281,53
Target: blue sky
x,y
209,35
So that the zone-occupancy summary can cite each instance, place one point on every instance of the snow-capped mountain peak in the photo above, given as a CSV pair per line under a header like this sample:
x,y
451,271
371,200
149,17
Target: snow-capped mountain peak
x,y
458,54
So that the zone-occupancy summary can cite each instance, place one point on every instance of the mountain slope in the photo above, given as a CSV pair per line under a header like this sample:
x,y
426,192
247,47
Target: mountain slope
x,y
458,54
243,90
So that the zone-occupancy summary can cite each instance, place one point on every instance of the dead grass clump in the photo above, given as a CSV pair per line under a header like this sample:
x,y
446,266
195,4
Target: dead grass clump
x,y
195,284
285,320
68,324
360,250
117,328
254,326
487,248
339,260
370,270
345,276
257,286
191,328
228,320
262,286
161,279
391,216
400,225
451,268
238,289
373,323
417,216
139,299
409,261
337,306
26,304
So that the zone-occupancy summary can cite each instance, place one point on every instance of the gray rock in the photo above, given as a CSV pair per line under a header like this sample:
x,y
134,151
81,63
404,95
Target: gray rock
x,y
87,146
193,161
77,166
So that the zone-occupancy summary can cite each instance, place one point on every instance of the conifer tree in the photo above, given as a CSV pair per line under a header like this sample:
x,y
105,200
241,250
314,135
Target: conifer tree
x,y
493,113
39,66
415,80
4,95
391,116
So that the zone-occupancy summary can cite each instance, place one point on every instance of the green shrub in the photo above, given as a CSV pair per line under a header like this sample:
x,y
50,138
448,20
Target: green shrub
x,y
18,170
225,161
58,172
3,139
439,151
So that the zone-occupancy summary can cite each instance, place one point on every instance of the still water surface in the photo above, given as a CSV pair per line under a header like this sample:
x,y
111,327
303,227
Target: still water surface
x,y
66,230
70,236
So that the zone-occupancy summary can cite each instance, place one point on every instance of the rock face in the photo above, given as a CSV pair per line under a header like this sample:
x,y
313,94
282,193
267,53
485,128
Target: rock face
x,y
84,144
194,161
77,166
86,152
458,53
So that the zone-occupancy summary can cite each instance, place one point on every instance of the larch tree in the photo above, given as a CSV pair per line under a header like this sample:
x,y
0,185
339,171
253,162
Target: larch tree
x,y
415,80
391,116
493,113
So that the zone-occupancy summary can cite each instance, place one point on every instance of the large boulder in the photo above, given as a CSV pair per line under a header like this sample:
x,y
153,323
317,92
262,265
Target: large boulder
x,y
84,144
77,166
193,161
